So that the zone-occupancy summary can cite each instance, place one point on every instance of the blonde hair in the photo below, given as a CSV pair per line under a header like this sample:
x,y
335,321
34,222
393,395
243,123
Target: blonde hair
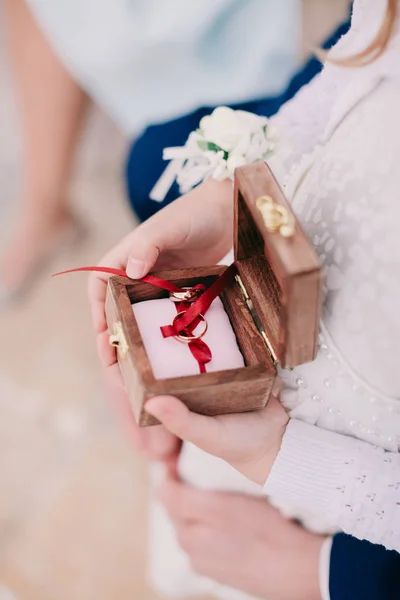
x,y
378,45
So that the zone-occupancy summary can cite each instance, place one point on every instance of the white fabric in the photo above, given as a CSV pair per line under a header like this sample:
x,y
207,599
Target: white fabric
x,y
348,205
224,140
353,484
149,60
171,358
169,571
346,197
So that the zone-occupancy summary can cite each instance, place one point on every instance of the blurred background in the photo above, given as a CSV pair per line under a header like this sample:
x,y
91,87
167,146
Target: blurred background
x,y
72,491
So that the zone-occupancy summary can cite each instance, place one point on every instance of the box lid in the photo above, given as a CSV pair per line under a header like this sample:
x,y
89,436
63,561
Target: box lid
x,y
277,264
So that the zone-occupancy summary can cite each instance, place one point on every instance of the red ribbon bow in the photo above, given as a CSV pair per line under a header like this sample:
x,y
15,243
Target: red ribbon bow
x,y
186,323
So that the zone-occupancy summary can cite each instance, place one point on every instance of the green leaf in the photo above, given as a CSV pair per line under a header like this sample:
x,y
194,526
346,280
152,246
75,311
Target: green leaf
x,y
211,147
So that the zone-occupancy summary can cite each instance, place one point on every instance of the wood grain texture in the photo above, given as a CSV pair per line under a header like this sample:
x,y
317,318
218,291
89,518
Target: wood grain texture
x,y
118,309
230,391
250,342
282,275
283,278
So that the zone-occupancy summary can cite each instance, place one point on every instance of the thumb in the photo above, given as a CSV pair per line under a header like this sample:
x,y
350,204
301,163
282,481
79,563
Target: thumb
x,y
145,246
149,240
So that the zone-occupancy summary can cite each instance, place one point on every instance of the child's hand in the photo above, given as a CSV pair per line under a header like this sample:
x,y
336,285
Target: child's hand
x,y
250,441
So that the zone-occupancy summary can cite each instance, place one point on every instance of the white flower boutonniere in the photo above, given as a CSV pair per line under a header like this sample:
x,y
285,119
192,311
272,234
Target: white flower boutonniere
x,y
225,140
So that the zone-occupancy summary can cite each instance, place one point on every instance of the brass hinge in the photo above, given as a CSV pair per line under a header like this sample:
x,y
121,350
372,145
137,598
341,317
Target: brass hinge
x,y
256,319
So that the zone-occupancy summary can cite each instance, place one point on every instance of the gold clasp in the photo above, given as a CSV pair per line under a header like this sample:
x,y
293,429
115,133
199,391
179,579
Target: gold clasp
x,y
118,340
275,216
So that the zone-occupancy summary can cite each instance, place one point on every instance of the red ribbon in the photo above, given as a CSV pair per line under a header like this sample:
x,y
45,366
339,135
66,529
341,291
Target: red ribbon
x,y
151,279
201,306
186,323
199,349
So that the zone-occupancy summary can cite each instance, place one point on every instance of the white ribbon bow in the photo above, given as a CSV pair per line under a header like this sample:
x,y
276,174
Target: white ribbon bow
x,y
226,139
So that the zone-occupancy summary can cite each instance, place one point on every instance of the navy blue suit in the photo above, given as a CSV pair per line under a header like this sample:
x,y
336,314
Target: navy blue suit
x,y
363,571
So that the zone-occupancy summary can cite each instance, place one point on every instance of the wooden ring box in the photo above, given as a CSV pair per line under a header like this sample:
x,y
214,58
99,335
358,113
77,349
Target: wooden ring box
x,y
279,273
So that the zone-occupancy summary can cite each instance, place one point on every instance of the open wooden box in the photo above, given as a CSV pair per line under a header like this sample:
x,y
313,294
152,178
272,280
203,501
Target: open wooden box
x,y
273,306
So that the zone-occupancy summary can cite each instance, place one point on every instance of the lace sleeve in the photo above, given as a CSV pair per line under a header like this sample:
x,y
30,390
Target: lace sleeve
x,y
351,484
349,206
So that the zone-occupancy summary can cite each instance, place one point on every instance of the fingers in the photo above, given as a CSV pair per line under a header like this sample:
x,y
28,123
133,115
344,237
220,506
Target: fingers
x,y
137,253
185,503
97,285
172,464
157,443
106,352
118,399
148,241
119,258
204,432
198,541
144,251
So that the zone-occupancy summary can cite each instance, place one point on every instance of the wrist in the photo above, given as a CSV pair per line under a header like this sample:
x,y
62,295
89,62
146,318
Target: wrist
x,y
258,467
294,571
263,467
308,567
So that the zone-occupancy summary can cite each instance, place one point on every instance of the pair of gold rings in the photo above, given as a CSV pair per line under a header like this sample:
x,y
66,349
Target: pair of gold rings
x,y
188,295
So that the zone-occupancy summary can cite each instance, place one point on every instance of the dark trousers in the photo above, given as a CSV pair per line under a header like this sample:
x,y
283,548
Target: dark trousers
x,y
363,571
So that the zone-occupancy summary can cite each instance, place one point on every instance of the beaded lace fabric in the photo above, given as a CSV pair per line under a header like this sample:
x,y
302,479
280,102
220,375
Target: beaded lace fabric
x,y
346,196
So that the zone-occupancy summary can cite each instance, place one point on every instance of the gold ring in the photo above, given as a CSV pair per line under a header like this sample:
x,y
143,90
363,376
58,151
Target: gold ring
x,y
188,295
190,338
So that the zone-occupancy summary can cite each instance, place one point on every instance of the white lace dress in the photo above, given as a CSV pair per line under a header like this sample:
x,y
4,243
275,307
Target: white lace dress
x,y
339,465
